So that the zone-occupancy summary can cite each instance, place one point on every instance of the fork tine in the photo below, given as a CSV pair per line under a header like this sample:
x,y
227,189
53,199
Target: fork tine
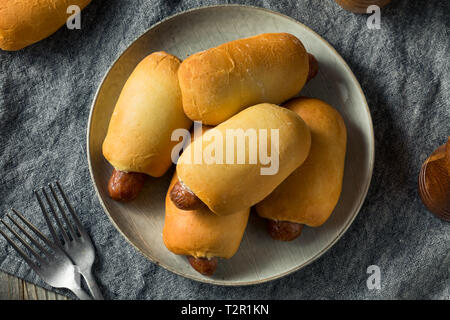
x,y
63,213
71,210
47,219
31,263
34,229
55,216
38,257
29,236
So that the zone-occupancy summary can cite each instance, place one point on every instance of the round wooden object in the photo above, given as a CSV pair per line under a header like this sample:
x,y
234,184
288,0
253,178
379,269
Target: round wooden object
x,y
434,182
360,6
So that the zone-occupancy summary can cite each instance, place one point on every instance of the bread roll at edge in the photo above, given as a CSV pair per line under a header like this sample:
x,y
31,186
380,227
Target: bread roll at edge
x,y
24,22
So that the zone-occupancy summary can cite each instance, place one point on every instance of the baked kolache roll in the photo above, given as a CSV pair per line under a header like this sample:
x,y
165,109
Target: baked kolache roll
x,y
149,109
230,184
24,22
219,82
201,235
309,195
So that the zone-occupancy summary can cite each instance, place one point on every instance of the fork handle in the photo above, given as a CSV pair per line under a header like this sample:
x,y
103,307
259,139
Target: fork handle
x,y
92,284
80,293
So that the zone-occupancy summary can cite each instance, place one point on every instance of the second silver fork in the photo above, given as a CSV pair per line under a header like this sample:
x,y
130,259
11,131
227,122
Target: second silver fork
x,y
75,241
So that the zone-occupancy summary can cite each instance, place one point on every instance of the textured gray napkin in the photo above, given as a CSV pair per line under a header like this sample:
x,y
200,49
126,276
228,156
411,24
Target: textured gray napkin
x,y
46,91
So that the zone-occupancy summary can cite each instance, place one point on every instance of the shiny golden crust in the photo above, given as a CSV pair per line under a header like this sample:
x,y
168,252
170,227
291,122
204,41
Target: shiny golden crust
x,y
220,82
309,195
147,111
227,188
24,22
200,233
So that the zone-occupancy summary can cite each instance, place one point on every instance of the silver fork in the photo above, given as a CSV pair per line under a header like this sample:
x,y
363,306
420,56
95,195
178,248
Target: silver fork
x,y
53,265
76,242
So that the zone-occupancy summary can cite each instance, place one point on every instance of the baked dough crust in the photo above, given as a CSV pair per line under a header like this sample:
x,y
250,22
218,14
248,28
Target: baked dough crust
x,y
220,82
200,233
228,188
148,110
24,22
310,194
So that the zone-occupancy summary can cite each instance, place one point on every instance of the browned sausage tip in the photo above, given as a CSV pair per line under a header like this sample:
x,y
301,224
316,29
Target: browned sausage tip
x,y
183,198
284,230
125,186
313,67
204,266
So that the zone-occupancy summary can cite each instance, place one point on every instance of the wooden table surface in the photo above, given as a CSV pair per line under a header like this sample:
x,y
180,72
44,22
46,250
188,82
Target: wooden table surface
x,y
12,288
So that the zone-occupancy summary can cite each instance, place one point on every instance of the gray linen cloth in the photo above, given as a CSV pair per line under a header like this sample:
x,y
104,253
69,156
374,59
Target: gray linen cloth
x,y
46,91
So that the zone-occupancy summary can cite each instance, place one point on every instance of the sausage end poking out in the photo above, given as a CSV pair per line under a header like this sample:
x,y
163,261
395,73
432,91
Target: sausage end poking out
x,y
284,230
125,186
313,67
183,198
205,266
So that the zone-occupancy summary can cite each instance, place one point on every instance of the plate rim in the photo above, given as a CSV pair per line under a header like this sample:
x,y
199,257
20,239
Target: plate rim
x,y
365,189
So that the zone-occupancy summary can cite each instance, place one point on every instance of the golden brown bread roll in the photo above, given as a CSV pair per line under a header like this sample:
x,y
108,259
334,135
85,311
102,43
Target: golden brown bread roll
x,y
220,82
309,195
24,22
200,233
148,110
228,188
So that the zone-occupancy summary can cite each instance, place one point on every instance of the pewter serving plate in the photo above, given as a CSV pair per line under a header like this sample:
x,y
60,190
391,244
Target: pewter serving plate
x,y
259,258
